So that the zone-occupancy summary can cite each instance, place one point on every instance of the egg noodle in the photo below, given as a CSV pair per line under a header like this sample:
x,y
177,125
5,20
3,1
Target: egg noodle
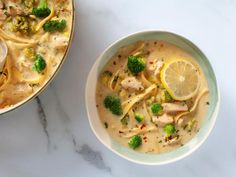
x,y
34,51
152,96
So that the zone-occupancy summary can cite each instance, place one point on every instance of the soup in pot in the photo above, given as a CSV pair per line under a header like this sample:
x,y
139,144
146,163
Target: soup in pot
x,y
34,36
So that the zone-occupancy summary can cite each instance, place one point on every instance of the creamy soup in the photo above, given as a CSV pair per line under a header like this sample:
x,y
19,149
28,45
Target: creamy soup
x,y
34,36
152,97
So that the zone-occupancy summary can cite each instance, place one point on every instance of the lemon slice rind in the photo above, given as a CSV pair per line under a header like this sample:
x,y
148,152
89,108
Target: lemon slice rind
x,y
181,65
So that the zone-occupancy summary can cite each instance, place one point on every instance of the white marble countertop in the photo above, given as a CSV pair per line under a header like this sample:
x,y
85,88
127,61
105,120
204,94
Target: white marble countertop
x,y
50,136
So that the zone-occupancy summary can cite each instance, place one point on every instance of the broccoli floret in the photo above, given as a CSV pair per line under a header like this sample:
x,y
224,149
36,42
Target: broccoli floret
x,y
54,25
114,104
139,117
135,142
20,24
169,129
156,108
136,64
108,101
42,10
39,64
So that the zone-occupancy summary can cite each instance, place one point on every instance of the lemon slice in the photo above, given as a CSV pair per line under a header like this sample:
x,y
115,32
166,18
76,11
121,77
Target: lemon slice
x,y
181,79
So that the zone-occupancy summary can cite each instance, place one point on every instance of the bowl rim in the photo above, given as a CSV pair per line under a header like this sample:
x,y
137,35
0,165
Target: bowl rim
x,y
213,117
40,90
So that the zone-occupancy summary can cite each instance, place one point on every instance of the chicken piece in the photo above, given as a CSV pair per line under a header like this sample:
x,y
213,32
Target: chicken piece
x,y
1,4
132,83
180,122
163,119
2,15
60,43
2,12
173,141
174,107
14,7
155,66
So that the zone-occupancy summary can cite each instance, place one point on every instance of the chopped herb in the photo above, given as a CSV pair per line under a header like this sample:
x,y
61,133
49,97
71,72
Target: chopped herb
x,y
139,117
208,103
185,126
109,73
116,78
166,96
135,142
105,76
106,124
191,124
124,121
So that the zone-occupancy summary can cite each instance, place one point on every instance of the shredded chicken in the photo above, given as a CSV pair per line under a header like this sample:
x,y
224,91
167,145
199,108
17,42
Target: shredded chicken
x,y
1,5
155,66
162,120
132,83
2,12
173,141
174,107
60,43
14,7
2,15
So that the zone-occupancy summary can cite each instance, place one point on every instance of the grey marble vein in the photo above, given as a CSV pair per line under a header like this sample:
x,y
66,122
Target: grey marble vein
x,y
74,141
43,119
93,157
63,115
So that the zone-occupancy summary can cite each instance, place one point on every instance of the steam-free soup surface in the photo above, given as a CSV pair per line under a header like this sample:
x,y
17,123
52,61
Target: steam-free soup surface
x,y
37,39
137,109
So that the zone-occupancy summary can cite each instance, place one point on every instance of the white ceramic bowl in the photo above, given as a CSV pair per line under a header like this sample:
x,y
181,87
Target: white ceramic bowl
x,y
142,158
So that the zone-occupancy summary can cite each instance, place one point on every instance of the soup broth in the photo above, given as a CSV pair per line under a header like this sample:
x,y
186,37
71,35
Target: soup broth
x,y
36,39
138,110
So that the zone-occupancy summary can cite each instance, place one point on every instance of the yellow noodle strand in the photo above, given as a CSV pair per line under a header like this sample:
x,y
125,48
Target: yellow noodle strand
x,y
144,79
15,38
178,116
136,99
110,84
7,70
128,133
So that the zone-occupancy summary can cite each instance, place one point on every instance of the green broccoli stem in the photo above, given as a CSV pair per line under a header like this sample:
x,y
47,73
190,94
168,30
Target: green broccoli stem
x,y
43,4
